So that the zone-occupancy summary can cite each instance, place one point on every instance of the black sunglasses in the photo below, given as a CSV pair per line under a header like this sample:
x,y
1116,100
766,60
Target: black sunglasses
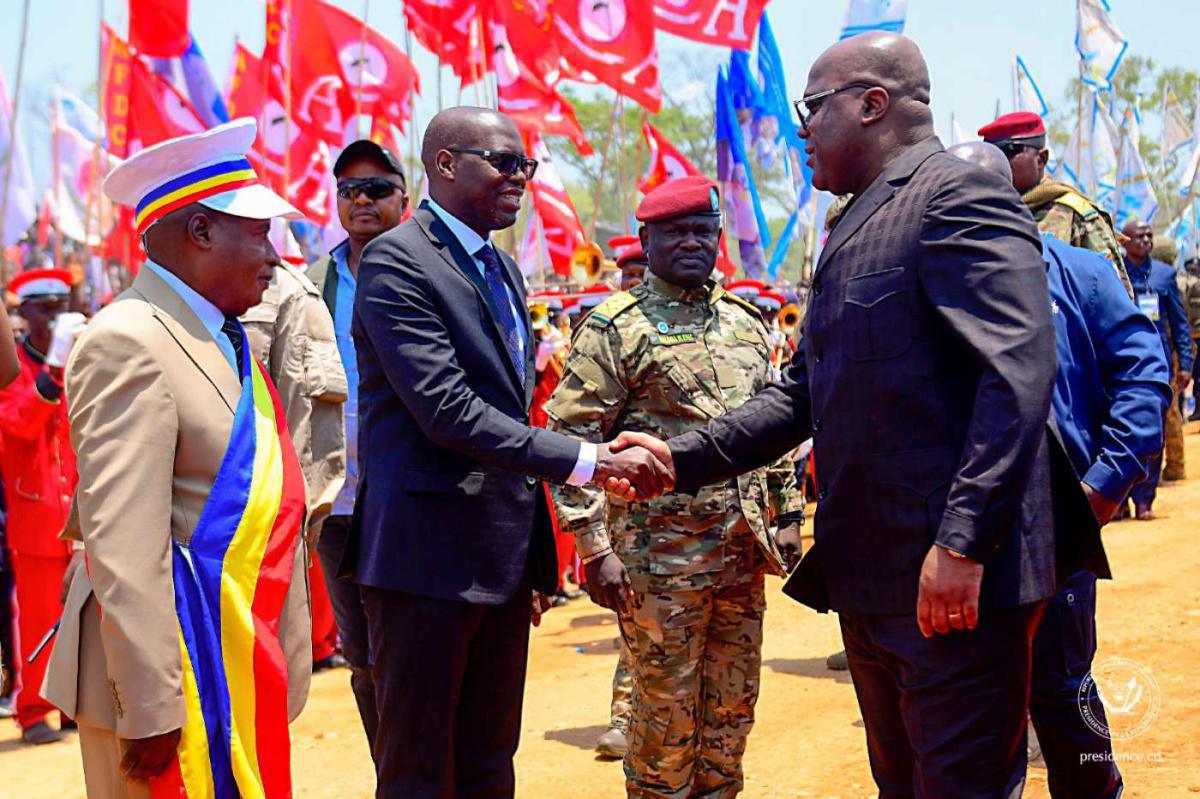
x,y
807,107
1012,149
507,164
374,188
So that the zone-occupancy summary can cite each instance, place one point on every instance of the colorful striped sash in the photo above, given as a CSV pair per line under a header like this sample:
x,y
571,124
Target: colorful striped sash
x,y
231,581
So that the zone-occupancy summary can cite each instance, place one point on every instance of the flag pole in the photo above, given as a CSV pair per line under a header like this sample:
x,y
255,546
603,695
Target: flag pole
x,y
362,54
412,117
56,176
1016,83
93,199
12,123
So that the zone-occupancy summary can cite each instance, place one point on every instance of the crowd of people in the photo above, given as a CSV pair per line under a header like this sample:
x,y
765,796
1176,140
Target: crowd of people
x,y
239,471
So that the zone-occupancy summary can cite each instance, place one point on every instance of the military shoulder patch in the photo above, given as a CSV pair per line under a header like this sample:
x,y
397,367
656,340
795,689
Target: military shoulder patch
x,y
610,309
746,304
1078,203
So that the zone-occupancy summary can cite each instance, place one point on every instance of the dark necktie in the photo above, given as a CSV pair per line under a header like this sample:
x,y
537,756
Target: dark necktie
x,y
493,275
233,331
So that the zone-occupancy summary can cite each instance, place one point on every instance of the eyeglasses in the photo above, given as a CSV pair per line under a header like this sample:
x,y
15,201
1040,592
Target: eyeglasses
x,y
807,107
1012,149
507,164
374,188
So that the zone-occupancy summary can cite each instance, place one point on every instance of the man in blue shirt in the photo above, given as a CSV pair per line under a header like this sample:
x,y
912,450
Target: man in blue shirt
x,y
1110,392
371,198
1157,295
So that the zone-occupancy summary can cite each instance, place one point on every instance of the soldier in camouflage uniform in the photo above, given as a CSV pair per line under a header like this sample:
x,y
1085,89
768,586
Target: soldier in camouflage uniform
x,y
684,571
1059,209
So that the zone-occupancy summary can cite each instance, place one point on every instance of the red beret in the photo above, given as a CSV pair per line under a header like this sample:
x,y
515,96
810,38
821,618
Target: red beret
x,y
746,289
691,194
633,252
618,243
41,283
1017,125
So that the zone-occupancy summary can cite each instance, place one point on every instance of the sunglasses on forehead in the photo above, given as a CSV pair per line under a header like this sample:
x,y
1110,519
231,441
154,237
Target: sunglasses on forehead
x,y
374,188
507,164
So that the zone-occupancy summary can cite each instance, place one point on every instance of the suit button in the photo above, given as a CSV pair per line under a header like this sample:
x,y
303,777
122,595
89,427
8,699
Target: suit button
x,y
531,482
817,357
816,289
822,494
816,425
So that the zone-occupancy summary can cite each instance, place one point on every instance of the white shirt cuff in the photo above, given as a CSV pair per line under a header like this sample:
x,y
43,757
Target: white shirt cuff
x,y
585,466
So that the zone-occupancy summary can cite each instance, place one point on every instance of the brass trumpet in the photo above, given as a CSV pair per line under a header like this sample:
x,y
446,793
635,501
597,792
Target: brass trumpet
x,y
587,264
539,315
789,318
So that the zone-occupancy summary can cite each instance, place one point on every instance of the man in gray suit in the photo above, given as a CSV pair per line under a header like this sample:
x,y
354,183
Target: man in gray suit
x,y
924,376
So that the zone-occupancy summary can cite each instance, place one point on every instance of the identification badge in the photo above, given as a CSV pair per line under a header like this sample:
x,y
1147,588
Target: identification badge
x,y
1148,303
676,338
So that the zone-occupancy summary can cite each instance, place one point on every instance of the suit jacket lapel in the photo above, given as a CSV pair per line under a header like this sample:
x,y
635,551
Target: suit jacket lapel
x,y
191,335
453,253
876,195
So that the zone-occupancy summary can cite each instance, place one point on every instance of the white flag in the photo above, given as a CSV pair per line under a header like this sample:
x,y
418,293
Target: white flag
x,y
1176,132
874,15
1101,46
957,134
1136,198
1029,96
78,191
1090,161
20,208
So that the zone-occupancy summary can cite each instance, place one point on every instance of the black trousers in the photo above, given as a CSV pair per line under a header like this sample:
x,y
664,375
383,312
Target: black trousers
x,y
351,620
449,683
945,716
1079,762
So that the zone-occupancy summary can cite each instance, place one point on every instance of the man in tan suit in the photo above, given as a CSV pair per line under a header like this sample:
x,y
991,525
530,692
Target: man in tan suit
x,y
153,390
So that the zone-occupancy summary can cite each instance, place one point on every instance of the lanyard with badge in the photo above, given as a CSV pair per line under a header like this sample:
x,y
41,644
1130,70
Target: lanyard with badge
x,y
1148,303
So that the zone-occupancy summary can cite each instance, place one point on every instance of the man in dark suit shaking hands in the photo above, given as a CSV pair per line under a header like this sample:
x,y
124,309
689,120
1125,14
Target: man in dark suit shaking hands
x,y
451,535
924,375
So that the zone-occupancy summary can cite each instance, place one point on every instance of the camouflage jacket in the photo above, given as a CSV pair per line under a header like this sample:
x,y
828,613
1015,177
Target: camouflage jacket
x,y
1070,217
662,360
1189,290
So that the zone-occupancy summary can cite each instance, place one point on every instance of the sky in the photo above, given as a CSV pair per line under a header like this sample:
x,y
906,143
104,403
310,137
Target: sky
x,y
969,45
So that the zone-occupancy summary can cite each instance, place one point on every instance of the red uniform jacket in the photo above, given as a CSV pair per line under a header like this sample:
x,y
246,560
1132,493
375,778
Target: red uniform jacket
x,y
37,461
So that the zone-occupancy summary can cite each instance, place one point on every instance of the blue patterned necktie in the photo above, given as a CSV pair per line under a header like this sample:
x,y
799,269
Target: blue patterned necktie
x,y
233,331
493,275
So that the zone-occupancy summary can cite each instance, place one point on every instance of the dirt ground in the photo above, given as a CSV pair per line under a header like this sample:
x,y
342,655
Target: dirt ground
x,y
808,741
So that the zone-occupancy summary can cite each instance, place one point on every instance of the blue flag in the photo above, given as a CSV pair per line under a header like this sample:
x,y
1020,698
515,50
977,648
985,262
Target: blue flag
x,y
189,73
743,208
874,15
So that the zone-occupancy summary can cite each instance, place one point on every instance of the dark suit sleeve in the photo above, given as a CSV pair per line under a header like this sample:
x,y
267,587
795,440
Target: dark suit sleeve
x,y
984,275
398,310
1135,375
772,422
1181,334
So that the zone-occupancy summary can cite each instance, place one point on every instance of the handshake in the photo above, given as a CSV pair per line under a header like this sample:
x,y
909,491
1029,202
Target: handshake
x,y
634,466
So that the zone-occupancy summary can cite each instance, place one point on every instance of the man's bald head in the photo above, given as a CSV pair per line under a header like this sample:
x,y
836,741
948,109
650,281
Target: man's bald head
x,y
988,156
463,180
1139,240
870,101
879,58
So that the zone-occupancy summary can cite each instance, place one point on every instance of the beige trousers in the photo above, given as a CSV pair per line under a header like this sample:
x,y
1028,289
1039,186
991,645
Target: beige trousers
x,y
101,766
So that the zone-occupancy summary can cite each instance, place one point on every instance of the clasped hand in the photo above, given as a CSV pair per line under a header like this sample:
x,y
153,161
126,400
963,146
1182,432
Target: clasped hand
x,y
635,466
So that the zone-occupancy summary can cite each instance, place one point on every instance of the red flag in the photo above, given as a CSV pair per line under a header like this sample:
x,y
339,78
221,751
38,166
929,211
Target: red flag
x,y
560,223
451,30
118,86
528,31
370,62
321,104
610,40
159,28
533,105
728,23
45,219
280,147
666,162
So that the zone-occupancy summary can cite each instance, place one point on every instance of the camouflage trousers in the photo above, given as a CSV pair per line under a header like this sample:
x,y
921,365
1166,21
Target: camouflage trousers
x,y
696,658
622,691
1173,463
